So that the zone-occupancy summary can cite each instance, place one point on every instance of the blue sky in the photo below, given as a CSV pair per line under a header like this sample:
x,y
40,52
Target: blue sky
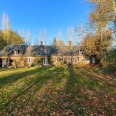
x,y
49,15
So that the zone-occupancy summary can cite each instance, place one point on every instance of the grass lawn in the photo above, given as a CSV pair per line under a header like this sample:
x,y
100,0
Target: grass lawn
x,y
56,91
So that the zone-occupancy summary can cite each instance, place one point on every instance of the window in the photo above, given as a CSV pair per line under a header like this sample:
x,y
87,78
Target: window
x,y
29,60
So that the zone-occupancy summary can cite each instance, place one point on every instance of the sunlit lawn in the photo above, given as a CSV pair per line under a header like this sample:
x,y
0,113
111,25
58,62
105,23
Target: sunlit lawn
x,y
56,91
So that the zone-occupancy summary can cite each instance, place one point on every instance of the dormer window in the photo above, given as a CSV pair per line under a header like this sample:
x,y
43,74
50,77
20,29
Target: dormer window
x,y
16,52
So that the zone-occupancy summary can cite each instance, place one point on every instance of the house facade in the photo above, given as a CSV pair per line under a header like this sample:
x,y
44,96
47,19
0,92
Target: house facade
x,y
20,55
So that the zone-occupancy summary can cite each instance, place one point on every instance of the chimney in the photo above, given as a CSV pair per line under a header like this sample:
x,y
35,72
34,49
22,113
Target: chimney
x,y
70,44
41,43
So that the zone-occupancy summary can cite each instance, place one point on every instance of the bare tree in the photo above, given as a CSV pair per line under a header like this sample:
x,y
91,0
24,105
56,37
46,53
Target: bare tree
x,y
80,33
29,37
40,37
72,34
5,22
45,37
36,41
59,34
68,32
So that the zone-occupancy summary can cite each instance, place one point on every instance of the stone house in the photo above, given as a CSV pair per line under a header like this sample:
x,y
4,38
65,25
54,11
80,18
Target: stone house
x,y
26,54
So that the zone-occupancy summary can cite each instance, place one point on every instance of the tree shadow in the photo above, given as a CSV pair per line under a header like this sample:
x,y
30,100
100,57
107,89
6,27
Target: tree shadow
x,y
31,87
79,95
15,77
83,95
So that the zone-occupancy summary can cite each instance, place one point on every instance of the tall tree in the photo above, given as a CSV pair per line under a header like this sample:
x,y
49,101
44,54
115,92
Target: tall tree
x,y
40,37
93,45
72,34
103,12
6,27
80,33
36,41
68,33
59,34
2,41
45,37
29,37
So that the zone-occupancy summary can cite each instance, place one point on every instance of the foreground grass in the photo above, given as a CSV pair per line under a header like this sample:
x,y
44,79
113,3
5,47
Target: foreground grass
x,y
61,91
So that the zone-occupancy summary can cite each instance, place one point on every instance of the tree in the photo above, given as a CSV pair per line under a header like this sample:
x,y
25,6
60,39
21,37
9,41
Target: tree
x,y
60,42
45,37
72,34
15,38
2,41
6,27
40,36
54,41
59,34
80,33
36,41
29,37
68,33
109,59
104,13
94,45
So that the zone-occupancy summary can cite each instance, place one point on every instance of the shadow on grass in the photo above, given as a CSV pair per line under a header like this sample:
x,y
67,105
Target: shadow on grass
x,y
80,94
15,77
83,95
41,76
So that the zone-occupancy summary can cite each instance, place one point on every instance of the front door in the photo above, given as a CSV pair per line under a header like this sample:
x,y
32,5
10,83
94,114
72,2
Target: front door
x,y
45,61
0,62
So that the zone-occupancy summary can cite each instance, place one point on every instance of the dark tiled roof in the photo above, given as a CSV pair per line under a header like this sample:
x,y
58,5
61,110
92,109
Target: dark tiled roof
x,y
38,50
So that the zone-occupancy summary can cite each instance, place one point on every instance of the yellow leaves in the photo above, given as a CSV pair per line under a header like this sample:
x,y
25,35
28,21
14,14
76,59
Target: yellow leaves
x,y
103,12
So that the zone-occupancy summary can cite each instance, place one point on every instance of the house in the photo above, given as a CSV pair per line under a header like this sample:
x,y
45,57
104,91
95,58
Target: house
x,y
26,54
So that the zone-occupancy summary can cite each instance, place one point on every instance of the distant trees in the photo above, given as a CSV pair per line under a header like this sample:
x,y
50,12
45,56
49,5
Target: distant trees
x,y
14,38
8,36
59,42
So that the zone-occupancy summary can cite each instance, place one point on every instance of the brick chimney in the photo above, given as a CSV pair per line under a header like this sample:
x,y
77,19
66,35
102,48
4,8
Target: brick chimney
x,y
70,44
41,43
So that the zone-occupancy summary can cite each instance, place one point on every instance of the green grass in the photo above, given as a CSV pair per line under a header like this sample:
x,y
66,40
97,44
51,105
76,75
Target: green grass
x,y
56,91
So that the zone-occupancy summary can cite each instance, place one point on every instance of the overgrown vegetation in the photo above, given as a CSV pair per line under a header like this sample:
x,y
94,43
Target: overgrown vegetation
x,y
56,91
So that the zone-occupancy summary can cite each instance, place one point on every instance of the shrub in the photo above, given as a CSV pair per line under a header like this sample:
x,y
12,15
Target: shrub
x,y
109,59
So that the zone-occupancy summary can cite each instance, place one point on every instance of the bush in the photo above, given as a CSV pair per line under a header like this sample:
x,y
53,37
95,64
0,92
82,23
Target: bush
x,y
109,59
37,61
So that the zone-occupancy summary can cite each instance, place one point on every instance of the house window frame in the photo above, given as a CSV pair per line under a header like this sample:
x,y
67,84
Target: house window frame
x,y
29,60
